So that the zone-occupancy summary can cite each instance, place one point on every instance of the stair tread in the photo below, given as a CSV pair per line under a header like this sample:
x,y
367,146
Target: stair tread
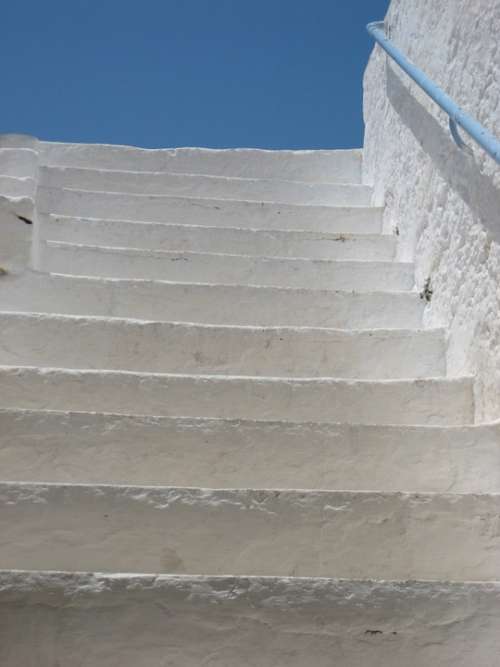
x,y
206,238
211,211
72,447
210,200
448,430
127,344
229,377
82,259
394,332
213,303
257,231
332,448
79,173
292,621
312,165
95,447
146,252
425,400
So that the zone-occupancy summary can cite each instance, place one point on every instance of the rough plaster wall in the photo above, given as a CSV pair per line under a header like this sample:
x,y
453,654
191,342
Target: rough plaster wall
x,y
18,179
445,204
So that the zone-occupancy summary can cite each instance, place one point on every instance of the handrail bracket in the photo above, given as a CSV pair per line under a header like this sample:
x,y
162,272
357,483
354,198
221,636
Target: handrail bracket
x,y
457,117
456,136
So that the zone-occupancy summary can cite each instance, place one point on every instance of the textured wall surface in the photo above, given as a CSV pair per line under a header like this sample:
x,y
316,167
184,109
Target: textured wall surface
x,y
18,178
444,204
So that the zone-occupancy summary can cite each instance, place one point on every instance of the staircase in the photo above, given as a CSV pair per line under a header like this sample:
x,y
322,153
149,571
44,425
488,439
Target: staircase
x,y
227,439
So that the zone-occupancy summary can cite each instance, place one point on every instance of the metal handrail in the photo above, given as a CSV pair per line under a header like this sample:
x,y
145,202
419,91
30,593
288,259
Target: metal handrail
x,y
456,116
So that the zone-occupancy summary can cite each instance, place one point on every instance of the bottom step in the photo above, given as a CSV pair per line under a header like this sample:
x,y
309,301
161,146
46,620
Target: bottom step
x,y
88,620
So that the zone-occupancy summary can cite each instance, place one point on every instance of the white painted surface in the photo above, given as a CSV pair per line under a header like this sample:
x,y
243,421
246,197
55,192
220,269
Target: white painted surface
x,y
76,259
16,235
40,446
421,401
161,347
12,140
211,212
323,383
190,238
14,187
335,166
345,534
18,174
198,185
291,621
212,303
445,204
18,162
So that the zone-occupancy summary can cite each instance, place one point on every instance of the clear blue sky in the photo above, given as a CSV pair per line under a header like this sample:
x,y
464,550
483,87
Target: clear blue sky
x,y
221,73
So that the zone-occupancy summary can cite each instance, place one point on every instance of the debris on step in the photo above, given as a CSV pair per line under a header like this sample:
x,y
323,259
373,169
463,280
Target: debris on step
x,y
427,292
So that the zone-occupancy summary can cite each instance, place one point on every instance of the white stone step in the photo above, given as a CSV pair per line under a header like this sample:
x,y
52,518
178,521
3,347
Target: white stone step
x,y
199,185
162,236
126,620
342,534
11,186
40,446
211,304
18,162
209,212
113,262
327,166
424,401
166,347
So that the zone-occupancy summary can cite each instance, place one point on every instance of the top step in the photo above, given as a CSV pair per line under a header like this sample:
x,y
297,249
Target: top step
x,y
321,166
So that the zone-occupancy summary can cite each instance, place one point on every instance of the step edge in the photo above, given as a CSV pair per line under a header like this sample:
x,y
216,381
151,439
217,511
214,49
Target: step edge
x,y
466,380
194,175
251,202
258,423
179,253
334,236
66,277
347,333
199,492
158,580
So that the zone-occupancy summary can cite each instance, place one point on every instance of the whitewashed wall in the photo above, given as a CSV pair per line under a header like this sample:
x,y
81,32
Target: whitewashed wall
x,y
445,204
18,180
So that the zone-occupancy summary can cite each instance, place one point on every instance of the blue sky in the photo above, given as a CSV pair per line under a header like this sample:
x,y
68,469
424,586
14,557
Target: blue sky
x,y
220,73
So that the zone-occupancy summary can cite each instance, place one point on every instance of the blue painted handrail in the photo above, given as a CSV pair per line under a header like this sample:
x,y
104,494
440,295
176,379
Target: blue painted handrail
x,y
456,116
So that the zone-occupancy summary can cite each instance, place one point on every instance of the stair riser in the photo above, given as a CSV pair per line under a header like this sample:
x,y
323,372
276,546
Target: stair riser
x,y
164,348
414,402
111,620
342,166
226,269
213,304
209,212
214,239
102,449
190,185
279,533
